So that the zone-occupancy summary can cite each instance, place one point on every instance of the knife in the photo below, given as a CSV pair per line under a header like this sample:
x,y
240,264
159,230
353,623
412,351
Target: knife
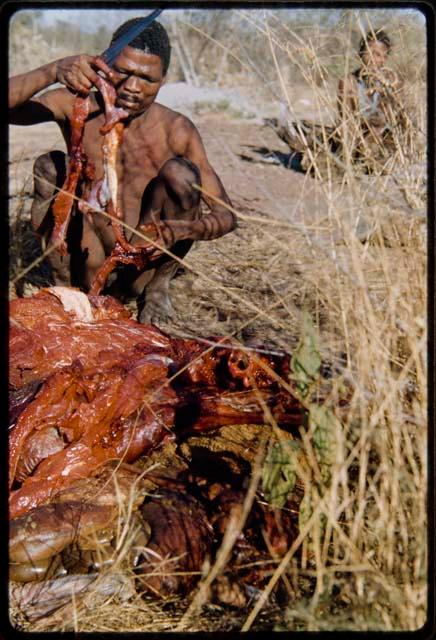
x,y
110,54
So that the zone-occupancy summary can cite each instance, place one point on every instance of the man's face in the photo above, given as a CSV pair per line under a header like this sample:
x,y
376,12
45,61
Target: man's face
x,y
376,55
138,76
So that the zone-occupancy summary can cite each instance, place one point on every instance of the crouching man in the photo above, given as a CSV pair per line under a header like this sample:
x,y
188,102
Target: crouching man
x,y
161,156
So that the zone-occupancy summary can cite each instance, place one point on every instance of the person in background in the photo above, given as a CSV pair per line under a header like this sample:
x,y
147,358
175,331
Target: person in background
x,y
371,121
370,102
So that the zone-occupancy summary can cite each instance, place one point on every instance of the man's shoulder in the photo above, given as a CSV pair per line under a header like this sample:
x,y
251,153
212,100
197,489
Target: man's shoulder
x,y
58,93
174,119
59,98
179,129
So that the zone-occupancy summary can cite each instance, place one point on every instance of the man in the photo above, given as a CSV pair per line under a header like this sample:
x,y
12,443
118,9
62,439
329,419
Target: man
x,y
371,117
370,99
160,157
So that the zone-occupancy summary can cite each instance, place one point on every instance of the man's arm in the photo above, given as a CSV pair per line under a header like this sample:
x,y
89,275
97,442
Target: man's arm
x,y
220,220
77,73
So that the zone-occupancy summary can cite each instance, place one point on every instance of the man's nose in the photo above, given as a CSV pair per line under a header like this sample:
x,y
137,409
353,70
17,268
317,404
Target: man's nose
x,y
132,84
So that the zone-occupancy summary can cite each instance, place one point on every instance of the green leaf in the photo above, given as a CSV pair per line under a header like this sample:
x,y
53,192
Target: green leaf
x,y
306,359
279,472
323,425
305,510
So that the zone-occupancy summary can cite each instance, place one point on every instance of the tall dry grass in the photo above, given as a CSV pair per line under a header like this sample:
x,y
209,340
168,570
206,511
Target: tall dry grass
x,y
369,558
360,561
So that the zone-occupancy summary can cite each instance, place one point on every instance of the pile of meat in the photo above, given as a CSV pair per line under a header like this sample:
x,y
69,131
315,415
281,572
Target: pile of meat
x,y
106,412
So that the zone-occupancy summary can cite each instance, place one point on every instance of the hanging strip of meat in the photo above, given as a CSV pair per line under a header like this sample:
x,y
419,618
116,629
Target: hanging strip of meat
x,y
123,252
63,203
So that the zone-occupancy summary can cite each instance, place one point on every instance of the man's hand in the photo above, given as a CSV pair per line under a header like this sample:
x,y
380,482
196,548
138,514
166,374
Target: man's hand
x,y
166,234
79,73
153,231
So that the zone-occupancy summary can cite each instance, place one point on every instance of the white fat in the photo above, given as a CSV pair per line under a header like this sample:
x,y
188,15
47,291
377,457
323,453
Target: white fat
x,y
112,180
74,301
110,148
104,194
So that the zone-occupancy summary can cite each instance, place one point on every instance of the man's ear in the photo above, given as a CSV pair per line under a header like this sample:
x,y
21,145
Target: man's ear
x,y
164,79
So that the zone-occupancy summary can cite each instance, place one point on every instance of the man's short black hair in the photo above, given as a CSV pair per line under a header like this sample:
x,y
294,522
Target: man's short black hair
x,y
374,36
153,39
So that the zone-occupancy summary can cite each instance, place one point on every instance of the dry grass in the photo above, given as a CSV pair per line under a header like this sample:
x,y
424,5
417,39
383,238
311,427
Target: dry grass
x,y
360,562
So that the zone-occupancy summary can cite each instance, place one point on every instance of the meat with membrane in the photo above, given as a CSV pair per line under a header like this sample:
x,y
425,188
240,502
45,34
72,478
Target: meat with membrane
x,y
44,337
113,424
174,528
181,538
111,389
20,398
63,203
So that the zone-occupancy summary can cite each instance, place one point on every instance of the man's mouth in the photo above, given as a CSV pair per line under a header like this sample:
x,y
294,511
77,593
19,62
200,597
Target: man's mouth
x,y
128,100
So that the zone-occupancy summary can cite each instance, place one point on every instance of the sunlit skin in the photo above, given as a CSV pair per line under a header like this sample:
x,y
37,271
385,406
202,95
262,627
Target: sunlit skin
x,y
152,135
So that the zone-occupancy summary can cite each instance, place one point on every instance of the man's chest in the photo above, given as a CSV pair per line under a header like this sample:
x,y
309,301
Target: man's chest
x,y
140,153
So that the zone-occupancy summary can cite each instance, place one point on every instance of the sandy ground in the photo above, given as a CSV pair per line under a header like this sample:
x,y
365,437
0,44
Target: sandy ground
x,y
245,271
236,142
230,124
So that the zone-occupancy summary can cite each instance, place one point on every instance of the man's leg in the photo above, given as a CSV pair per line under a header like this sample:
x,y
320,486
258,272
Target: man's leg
x,y
49,172
88,256
86,253
169,196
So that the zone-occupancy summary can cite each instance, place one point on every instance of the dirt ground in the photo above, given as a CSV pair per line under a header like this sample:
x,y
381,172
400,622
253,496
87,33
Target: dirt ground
x,y
229,285
253,184
241,262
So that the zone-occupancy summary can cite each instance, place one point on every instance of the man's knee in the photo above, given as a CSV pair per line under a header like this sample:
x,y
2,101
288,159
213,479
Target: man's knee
x,y
49,171
179,174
